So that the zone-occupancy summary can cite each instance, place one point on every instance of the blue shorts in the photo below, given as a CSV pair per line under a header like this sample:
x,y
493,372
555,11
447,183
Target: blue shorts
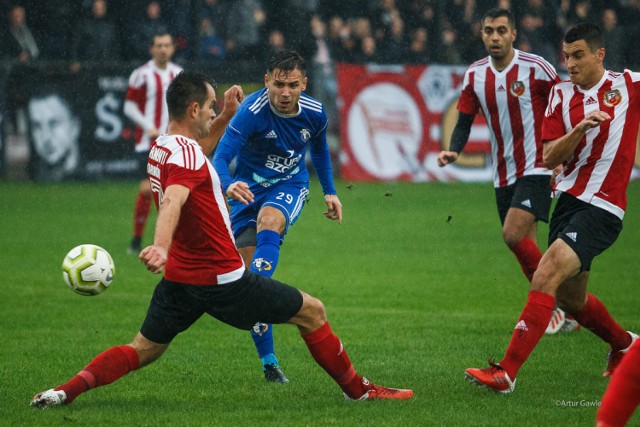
x,y
287,198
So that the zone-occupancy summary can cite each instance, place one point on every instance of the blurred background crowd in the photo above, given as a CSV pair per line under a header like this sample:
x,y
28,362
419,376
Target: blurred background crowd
x,y
324,31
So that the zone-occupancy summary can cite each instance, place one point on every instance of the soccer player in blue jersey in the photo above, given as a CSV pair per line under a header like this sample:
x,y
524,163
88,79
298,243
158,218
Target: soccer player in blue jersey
x,y
269,137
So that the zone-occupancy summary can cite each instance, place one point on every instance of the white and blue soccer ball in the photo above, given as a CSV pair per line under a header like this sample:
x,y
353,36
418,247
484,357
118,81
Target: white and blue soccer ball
x,y
88,269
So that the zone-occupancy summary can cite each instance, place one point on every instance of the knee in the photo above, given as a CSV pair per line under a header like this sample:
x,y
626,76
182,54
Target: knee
x,y
316,310
543,281
511,237
270,222
148,351
311,316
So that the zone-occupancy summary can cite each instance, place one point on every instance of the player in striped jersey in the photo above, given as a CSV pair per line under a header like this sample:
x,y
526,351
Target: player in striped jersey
x,y
269,137
590,128
203,271
145,105
511,88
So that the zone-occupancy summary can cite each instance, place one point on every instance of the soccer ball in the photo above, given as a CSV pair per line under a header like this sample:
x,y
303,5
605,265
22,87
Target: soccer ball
x,y
88,269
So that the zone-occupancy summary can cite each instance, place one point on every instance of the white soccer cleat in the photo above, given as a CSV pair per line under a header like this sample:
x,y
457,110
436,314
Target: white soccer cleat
x,y
49,398
557,321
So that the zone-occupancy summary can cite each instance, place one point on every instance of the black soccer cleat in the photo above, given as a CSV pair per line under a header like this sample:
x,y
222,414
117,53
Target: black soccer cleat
x,y
135,247
273,374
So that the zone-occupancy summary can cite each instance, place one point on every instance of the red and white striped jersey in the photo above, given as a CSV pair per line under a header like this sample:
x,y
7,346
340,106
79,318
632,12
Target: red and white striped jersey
x,y
599,169
203,251
147,87
513,102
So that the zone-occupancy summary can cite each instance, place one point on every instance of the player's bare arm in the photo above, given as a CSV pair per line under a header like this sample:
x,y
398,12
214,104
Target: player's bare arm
x,y
557,151
239,191
233,97
154,257
334,208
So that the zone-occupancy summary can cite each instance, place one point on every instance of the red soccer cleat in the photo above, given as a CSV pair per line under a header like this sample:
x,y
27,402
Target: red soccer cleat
x,y
379,392
493,378
614,359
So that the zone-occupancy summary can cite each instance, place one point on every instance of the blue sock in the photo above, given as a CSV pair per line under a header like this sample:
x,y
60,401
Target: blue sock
x,y
265,260
262,335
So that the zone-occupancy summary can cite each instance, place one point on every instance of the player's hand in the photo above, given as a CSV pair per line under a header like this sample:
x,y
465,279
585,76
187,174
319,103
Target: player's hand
x,y
593,120
446,157
240,191
233,97
154,258
153,133
334,207
556,171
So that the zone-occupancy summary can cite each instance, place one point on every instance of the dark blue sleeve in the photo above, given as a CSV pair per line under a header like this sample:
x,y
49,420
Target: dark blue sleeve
x,y
321,159
227,149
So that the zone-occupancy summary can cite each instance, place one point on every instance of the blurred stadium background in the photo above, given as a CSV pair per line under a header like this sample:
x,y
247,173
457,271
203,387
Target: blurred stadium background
x,y
88,48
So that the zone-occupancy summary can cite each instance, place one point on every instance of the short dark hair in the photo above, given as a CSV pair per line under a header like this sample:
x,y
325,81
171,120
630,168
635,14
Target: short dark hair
x,y
497,12
187,87
160,33
588,32
287,61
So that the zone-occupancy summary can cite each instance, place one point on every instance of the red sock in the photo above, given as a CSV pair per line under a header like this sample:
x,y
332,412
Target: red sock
x,y
531,325
141,213
595,317
327,350
528,255
107,367
623,393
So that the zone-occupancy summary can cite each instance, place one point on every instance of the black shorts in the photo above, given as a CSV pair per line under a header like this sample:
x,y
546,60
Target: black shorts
x,y
531,193
174,307
142,158
587,229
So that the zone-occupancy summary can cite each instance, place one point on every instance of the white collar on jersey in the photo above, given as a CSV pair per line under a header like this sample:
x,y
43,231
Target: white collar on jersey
x,y
286,116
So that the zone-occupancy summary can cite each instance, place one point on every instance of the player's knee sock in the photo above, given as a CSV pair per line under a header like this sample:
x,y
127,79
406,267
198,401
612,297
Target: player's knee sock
x,y
528,255
595,317
327,350
141,213
107,367
530,327
623,393
262,335
265,258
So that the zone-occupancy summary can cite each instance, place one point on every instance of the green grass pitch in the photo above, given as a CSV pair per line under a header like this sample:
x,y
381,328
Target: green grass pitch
x,y
416,281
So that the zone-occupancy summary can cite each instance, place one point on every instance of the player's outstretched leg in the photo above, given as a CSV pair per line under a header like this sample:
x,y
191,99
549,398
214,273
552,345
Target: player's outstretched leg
x,y
501,377
327,350
265,261
106,368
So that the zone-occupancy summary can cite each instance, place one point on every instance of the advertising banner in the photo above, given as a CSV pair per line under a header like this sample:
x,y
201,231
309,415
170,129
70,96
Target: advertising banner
x,y
394,120
75,125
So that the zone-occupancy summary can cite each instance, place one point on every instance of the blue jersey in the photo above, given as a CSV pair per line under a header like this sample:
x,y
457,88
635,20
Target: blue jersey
x,y
270,147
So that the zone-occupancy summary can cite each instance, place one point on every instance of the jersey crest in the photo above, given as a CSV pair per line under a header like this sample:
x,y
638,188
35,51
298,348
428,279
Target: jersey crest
x,y
517,88
612,98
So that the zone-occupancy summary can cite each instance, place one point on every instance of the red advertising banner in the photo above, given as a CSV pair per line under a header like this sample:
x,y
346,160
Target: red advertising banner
x,y
395,119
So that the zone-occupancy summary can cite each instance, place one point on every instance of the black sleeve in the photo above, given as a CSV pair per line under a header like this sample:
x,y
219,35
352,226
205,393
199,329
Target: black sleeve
x,y
461,132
